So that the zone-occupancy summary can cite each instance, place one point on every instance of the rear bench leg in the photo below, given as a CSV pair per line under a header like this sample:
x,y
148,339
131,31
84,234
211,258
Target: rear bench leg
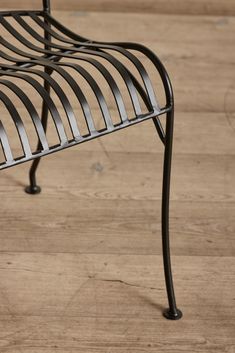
x,y
33,188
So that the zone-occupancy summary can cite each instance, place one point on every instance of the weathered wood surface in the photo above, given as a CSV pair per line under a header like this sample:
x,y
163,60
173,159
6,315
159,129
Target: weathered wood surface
x,y
113,303
192,7
80,264
135,233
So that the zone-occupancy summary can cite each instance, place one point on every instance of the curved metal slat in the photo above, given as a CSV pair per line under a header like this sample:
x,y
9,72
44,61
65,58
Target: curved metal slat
x,y
97,91
5,144
48,29
51,55
57,88
64,29
54,34
156,62
112,84
116,63
150,98
43,93
21,12
29,29
130,56
156,119
85,107
78,40
73,84
77,90
63,98
57,148
114,46
145,98
18,124
139,66
31,110
16,34
79,93
164,77
127,45
83,102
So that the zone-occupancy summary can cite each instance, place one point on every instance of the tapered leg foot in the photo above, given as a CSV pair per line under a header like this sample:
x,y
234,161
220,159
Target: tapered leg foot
x,y
170,315
33,190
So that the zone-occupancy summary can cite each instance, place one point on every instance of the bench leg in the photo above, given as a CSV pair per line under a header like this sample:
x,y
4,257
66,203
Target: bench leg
x,y
172,312
33,188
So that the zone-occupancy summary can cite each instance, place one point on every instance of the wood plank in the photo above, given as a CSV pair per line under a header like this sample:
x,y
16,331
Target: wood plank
x,y
114,301
120,176
183,7
113,227
114,204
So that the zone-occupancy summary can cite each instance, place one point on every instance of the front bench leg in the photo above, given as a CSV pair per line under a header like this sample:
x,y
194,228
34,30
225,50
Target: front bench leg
x,y
172,313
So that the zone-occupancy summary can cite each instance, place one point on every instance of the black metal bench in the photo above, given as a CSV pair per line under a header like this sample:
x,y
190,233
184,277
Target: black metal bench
x,y
55,49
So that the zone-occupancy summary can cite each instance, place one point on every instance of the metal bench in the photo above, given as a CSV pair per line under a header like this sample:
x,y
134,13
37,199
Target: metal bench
x,y
34,47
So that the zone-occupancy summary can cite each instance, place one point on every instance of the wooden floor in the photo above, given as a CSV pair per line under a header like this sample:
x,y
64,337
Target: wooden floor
x,y
80,264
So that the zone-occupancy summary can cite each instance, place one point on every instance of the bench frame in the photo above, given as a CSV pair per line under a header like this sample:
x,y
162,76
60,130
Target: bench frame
x,y
166,136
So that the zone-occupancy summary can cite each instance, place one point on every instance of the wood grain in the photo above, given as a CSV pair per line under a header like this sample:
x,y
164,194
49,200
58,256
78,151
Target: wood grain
x,y
199,7
120,227
110,302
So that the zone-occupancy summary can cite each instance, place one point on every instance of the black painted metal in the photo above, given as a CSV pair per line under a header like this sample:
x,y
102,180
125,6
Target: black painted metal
x,y
59,51
47,5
